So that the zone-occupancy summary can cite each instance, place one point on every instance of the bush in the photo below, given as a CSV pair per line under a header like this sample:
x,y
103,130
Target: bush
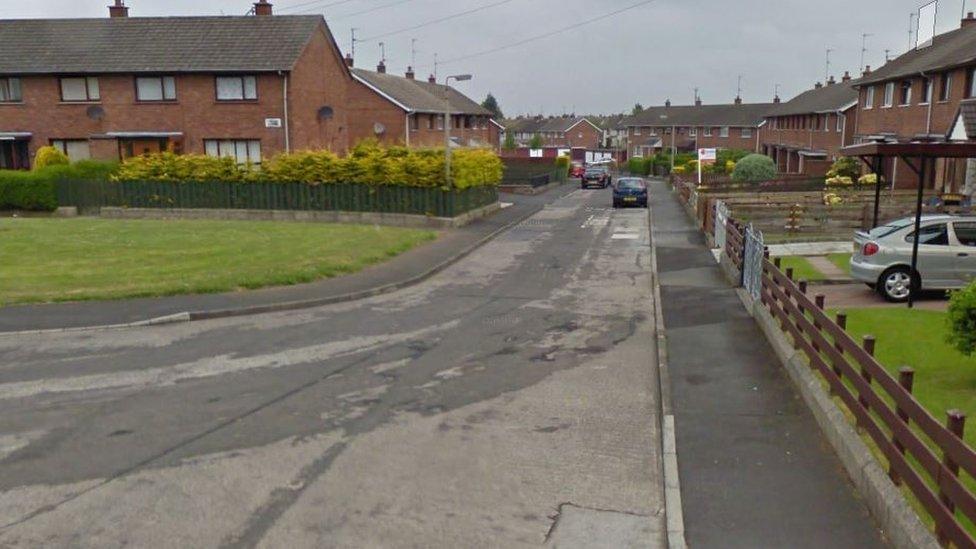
x,y
962,320
639,166
167,166
868,179
754,167
22,190
845,166
49,156
839,180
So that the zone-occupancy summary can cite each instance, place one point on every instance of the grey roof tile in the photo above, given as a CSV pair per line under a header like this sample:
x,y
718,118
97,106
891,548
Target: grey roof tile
x,y
743,115
830,98
420,95
948,50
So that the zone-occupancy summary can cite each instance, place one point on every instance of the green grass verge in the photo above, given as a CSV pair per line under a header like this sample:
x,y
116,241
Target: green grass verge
x,y
843,261
802,269
47,260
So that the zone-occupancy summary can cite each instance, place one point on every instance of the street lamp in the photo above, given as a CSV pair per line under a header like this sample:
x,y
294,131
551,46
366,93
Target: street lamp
x,y
447,124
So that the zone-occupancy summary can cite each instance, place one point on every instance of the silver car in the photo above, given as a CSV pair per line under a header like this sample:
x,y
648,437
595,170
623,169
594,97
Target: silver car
x,y
946,255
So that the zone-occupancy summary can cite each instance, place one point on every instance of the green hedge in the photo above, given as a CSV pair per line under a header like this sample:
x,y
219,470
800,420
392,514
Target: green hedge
x,y
36,190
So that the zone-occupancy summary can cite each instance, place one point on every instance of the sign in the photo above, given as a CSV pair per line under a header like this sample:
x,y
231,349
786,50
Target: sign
x,y
272,122
927,15
705,156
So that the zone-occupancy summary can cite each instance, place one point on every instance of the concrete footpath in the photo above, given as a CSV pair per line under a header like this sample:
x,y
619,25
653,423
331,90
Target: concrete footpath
x,y
401,271
755,469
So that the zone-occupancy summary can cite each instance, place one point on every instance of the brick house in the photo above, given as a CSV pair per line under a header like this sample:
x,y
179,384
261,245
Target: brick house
x,y
417,110
805,134
689,127
919,95
247,87
558,132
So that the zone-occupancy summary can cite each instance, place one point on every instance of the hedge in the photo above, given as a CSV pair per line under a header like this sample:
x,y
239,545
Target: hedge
x,y
36,190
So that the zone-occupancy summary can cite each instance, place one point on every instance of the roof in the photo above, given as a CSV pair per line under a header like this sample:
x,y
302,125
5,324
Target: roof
x,y
966,115
418,95
558,124
948,50
742,115
154,44
830,98
913,150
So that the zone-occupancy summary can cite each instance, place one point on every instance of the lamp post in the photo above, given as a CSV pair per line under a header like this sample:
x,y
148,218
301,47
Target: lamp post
x,y
447,124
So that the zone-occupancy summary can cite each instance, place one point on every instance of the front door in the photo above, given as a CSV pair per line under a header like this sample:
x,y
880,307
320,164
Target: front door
x,y
965,251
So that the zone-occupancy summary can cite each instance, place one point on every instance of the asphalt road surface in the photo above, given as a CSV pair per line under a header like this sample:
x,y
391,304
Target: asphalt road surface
x,y
509,401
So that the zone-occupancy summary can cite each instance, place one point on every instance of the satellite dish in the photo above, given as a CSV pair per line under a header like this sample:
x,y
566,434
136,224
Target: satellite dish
x,y
95,112
379,128
325,113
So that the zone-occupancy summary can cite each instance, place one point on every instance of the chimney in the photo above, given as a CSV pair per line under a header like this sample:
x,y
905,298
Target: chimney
x,y
776,99
846,77
698,101
381,67
667,103
817,86
969,20
738,100
432,79
410,74
831,81
867,70
349,60
262,7
118,10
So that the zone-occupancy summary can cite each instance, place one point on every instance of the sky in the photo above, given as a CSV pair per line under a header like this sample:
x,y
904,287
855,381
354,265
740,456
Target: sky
x,y
661,49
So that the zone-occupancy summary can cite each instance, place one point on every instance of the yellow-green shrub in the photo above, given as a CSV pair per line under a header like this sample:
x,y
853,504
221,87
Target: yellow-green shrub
x,y
49,156
167,166
868,179
839,180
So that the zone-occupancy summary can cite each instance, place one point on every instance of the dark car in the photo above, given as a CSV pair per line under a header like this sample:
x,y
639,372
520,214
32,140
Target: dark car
x,y
598,176
630,191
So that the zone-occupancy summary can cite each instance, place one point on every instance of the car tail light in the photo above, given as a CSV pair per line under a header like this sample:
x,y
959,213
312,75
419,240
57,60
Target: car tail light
x,y
870,249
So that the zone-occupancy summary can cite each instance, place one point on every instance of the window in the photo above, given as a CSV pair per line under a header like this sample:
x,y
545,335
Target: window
x,y
80,89
430,121
693,132
841,118
653,131
905,93
945,86
971,88
76,149
724,132
933,235
708,131
889,94
413,122
237,88
869,97
637,131
241,150
440,125
156,88
966,233
10,90
746,133
826,123
927,85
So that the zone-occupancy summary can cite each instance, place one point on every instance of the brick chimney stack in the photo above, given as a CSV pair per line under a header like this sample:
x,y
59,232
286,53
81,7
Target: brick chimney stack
x,y
118,10
410,74
667,103
349,60
817,86
432,79
846,77
867,70
776,99
263,8
738,100
969,20
831,81
698,102
381,68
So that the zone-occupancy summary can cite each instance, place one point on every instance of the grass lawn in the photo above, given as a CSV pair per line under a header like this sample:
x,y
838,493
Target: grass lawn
x,y
802,269
843,261
45,260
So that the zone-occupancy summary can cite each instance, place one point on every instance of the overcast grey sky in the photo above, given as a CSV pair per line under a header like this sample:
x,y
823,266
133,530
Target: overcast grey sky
x,y
660,50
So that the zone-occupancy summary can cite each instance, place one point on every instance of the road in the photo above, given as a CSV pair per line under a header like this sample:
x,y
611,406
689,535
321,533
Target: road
x,y
508,401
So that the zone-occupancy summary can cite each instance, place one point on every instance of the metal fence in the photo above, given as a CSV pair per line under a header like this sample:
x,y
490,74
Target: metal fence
x,y
89,196
721,219
752,262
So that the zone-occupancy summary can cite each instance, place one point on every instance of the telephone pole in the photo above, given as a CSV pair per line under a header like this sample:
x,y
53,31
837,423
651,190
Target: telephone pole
x,y
864,48
827,66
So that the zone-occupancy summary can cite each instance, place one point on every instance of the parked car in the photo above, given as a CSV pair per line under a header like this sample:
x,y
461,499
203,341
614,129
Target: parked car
x,y
577,169
598,176
946,256
630,191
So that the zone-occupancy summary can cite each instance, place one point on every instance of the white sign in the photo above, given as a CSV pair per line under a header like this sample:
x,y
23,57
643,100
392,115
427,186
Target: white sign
x,y
272,122
535,153
707,155
926,24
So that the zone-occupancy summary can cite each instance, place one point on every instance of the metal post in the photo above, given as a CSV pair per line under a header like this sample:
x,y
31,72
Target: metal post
x,y
878,168
918,228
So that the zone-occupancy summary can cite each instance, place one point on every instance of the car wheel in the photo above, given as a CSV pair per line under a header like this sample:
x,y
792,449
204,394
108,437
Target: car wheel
x,y
897,284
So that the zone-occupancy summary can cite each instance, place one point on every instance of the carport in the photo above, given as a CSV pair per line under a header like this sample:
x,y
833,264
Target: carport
x,y
920,156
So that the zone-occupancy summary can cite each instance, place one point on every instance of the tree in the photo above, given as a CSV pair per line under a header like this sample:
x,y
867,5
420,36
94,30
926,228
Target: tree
x,y
491,104
509,141
962,320
536,142
755,167
638,108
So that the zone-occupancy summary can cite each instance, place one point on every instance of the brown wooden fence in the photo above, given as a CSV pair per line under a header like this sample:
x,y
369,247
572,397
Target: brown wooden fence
x,y
923,454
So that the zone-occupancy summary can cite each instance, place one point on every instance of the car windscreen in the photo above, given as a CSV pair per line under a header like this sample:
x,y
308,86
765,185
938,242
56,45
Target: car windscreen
x,y
630,184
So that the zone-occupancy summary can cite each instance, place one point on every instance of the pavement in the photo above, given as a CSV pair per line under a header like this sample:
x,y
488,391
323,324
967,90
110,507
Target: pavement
x,y
510,400
810,248
402,270
755,469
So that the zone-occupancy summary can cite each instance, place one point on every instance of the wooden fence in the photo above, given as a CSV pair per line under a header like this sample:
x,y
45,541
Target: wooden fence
x,y
922,454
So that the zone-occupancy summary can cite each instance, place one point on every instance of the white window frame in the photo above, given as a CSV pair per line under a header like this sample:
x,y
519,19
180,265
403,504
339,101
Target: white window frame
x,y
653,131
905,98
248,87
637,130
826,122
232,148
927,90
945,83
889,95
723,131
74,149
841,118
869,98
167,88
90,83
707,131
693,131
746,133
11,90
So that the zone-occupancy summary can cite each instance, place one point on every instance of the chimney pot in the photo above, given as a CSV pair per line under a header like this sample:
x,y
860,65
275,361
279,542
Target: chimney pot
x,y
867,70
119,9
349,60
410,74
776,99
846,77
698,102
432,79
969,20
381,68
738,100
263,8
831,81
667,103
817,86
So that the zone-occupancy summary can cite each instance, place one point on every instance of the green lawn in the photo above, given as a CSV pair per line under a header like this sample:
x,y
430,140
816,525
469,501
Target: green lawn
x,y
802,269
843,261
45,260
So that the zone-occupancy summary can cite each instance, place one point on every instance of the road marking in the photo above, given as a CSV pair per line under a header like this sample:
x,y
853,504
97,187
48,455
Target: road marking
x,y
625,236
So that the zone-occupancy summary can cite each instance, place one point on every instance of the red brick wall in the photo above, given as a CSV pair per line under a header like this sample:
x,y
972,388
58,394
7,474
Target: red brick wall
x,y
426,134
367,109
735,139
319,79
